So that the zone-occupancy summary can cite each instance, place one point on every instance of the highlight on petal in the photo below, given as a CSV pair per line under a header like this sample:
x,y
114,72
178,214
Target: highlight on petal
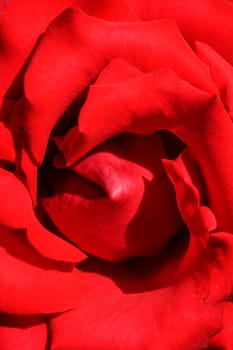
x,y
51,84
25,332
15,200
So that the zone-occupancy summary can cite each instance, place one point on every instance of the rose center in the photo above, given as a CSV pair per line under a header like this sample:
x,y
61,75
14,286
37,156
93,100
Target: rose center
x,y
117,202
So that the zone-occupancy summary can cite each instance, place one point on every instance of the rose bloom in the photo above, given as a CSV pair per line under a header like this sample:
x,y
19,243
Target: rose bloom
x,y
116,168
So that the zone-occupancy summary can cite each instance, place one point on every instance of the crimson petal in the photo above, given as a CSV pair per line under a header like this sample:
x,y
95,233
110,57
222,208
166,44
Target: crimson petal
x,y
32,284
16,44
24,332
7,149
168,103
119,10
223,339
50,88
137,317
221,72
15,200
217,30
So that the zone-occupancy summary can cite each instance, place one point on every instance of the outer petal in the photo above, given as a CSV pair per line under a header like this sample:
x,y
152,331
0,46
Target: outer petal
x,y
191,19
145,104
154,319
197,117
32,284
124,192
50,88
16,45
23,332
17,213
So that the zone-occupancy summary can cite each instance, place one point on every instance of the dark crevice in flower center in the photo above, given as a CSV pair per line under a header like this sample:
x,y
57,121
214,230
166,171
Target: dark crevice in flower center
x,y
144,269
172,144
117,201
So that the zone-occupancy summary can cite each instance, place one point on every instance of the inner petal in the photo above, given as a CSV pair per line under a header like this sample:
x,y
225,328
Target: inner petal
x,y
118,201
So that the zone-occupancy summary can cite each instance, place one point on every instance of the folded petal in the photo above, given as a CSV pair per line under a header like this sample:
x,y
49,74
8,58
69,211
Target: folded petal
x,y
23,332
87,44
17,213
124,191
221,72
168,102
223,339
139,318
119,10
7,147
149,102
32,284
16,45
217,31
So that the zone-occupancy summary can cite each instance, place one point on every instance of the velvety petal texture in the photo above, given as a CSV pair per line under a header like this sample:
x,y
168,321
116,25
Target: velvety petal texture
x,y
25,332
137,317
44,241
66,39
117,181
116,196
16,45
217,31
32,284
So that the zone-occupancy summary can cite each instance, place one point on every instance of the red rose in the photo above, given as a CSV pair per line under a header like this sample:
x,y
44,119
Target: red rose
x,y
116,194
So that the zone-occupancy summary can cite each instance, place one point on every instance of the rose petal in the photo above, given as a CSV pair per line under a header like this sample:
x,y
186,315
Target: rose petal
x,y
138,318
116,71
197,117
119,10
172,265
16,44
221,72
29,171
199,218
124,191
7,149
88,51
217,31
17,213
187,195
223,339
6,108
32,284
23,332
168,103
215,138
